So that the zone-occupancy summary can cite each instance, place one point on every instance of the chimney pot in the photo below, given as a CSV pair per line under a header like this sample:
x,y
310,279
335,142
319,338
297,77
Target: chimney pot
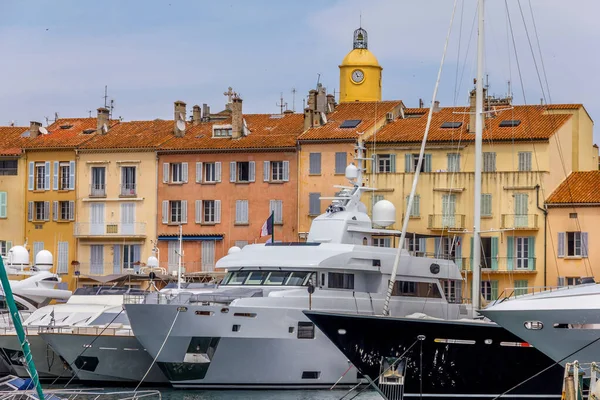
x,y
196,115
179,115
34,128
237,118
101,120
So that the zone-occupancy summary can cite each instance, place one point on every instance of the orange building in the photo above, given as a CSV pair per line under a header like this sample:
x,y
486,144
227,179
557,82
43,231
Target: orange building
x,y
220,177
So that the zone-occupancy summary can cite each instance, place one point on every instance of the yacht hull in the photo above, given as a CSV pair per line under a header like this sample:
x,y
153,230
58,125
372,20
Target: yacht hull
x,y
47,362
486,362
105,358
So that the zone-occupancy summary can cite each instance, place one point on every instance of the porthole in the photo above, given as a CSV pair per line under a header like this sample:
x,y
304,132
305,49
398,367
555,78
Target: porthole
x,y
341,331
182,309
533,325
434,268
488,341
224,310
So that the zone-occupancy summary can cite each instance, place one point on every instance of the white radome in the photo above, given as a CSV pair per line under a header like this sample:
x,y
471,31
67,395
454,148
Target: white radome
x,y
152,262
18,255
351,172
362,207
384,213
234,249
43,260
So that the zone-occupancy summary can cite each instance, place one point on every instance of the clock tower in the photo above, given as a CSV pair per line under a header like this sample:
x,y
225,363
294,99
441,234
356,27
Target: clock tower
x,y
360,72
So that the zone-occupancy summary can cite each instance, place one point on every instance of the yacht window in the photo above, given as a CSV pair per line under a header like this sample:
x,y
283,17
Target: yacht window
x,y
306,330
238,277
276,278
111,318
416,289
297,279
336,280
256,278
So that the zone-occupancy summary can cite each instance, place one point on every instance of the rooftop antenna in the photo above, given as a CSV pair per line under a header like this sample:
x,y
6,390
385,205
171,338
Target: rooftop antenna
x,y
282,106
90,113
111,108
318,80
105,96
294,99
509,89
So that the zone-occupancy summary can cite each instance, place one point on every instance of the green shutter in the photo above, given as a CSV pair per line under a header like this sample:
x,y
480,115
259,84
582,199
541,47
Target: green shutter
x,y
494,254
486,204
427,163
392,163
3,196
494,285
408,163
510,247
531,255
471,260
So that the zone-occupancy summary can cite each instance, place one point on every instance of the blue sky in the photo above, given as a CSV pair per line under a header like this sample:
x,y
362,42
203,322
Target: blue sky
x,y
58,55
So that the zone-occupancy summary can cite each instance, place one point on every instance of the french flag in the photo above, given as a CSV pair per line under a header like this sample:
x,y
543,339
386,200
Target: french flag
x,y
267,228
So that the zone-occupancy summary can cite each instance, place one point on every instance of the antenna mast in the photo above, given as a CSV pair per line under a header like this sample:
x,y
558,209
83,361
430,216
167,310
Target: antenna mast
x,y
282,106
294,99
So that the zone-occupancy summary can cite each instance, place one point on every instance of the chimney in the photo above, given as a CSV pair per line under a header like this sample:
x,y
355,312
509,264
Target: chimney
x,y
34,129
286,112
196,115
206,112
472,108
179,115
101,120
237,119
308,117
330,103
312,99
321,100
436,106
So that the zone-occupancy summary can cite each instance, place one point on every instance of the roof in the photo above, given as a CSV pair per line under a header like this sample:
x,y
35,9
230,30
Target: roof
x,y
367,112
535,123
132,135
360,58
579,188
64,133
11,140
266,131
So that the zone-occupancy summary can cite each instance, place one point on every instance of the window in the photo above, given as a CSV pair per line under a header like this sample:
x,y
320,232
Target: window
x,y
411,161
175,212
446,248
521,287
41,210
486,290
574,244
208,255
338,280
8,167
525,161
210,172
209,212
315,163
242,171
277,171
572,280
40,176
453,290
311,374
128,181
415,211
241,211
382,242
176,173
489,162
63,178
66,210
522,249
98,181
5,246
453,162
340,163
306,330
386,163
314,204
222,131
414,245
486,205
276,207
131,255
416,289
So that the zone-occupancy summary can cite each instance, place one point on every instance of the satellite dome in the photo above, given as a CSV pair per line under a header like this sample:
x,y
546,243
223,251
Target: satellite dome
x,y
43,260
362,207
152,262
351,171
18,255
234,249
384,213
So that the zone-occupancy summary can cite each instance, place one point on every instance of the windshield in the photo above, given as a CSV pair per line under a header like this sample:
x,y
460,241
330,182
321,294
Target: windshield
x,y
270,278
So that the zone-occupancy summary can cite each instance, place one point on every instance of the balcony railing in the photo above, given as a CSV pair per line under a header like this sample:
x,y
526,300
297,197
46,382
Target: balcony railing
x,y
187,267
446,221
98,190
128,189
502,264
519,221
134,229
104,268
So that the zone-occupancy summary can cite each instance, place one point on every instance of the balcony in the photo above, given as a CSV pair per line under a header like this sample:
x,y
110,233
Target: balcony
x,y
128,190
502,265
446,221
110,229
520,221
102,269
98,190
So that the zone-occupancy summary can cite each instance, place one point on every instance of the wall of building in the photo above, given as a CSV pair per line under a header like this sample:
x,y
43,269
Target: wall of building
x,y
13,225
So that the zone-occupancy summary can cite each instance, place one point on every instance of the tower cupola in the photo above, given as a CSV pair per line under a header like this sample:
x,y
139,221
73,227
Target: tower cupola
x,y
360,72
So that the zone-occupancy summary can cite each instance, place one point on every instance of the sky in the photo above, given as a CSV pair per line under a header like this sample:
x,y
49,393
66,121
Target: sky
x,y
58,55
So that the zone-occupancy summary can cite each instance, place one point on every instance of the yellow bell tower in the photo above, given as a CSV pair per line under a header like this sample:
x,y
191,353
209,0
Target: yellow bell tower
x,y
360,72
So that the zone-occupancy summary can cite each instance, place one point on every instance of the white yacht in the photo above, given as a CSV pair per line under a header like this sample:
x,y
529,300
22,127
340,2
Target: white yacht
x,y
250,332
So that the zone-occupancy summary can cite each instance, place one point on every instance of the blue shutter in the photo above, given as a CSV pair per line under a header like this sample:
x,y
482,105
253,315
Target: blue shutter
x,y
427,163
584,244
510,247
408,163
116,259
72,175
47,175
393,163
531,254
561,244
495,254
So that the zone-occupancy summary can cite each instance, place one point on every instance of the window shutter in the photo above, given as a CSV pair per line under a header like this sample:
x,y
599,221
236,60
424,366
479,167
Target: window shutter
x,y
63,258
471,255
494,254
416,208
392,163
71,175
561,244
279,212
116,259
584,244
232,171
510,247
71,211
266,166
315,163
198,212
238,211
55,180
165,211
486,204
8,245
198,172
218,171
46,211
184,211
494,286
286,171
427,163
423,245
55,210
561,281
30,211
30,180
314,204
272,207
408,163
531,254
252,172
340,162
47,175
437,249
458,253
165,172
3,196
184,172
218,211
374,168
137,256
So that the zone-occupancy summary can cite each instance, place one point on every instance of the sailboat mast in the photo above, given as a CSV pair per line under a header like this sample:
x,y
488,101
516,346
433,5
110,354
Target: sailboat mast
x,y
476,281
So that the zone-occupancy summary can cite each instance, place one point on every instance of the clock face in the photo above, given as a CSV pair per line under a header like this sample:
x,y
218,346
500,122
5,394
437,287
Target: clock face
x,y
357,76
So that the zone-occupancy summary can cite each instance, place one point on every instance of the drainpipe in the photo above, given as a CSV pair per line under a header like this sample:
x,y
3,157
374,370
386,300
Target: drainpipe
x,y
545,211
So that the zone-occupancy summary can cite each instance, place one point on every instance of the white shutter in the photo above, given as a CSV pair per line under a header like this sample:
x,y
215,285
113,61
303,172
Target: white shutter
x,y
561,244
71,211
266,170
252,172
198,212
71,175
184,172
218,171
63,258
55,210
55,179
165,172
46,211
232,171
184,211
286,171
30,211
47,175
218,211
238,211
3,208
198,172
584,244
165,211
30,183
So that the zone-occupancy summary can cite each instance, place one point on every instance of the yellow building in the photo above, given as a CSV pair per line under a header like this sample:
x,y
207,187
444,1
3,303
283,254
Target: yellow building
x,y
574,222
117,197
360,72
525,149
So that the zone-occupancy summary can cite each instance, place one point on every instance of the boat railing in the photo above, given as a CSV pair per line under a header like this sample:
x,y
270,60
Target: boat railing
x,y
514,292
581,380
87,330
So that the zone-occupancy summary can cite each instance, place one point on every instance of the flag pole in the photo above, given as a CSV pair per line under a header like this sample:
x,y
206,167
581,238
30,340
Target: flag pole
x,y
272,227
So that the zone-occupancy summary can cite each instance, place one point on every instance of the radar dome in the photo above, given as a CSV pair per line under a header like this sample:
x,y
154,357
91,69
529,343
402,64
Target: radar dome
x,y
384,213
351,171
43,260
18,255
234,249
152,262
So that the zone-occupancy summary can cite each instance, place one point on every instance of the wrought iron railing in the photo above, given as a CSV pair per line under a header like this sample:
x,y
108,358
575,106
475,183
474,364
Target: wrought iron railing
x,y
109,229
446,221
519,221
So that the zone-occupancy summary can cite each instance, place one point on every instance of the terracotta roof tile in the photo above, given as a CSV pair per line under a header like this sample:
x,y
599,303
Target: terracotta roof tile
x,y
11,140
579,187
366,112
266,131
536,123
132,135
65,133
